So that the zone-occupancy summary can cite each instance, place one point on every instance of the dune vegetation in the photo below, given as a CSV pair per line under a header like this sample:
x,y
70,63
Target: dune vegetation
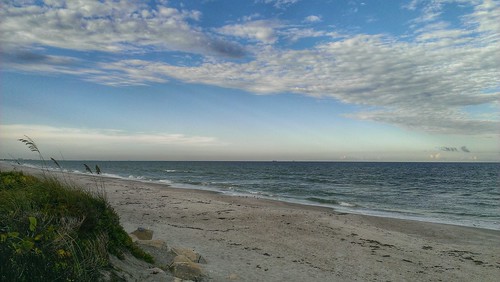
x,y
51,230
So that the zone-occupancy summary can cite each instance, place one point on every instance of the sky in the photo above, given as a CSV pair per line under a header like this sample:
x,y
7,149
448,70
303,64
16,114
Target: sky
x,y
412,80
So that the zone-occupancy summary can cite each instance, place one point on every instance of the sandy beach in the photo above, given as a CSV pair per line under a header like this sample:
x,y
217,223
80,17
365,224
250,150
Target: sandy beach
x,y
252,239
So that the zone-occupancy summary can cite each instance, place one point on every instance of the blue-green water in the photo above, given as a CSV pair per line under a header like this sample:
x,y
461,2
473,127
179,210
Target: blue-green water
x,y
457,193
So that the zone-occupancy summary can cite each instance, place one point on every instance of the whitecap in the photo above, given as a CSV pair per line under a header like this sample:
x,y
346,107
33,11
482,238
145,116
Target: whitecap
x,y
111,175
344,204
136,177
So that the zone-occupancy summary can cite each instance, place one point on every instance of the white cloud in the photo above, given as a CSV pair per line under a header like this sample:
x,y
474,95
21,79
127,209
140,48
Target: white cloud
x,y
251,17
294,34
261,30
280,4
312,19
108,26
105,137
78,143
436,120
485,17
269,31
422,83
432,9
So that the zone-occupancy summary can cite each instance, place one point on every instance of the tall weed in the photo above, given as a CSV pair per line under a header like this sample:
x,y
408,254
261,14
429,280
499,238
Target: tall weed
x,y
56,231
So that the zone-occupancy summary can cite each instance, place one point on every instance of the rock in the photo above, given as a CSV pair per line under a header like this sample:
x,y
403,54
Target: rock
x,y
190,254
188,270
181,259
177,279
132,269
156,270
233,276
143,233
133,237
159,244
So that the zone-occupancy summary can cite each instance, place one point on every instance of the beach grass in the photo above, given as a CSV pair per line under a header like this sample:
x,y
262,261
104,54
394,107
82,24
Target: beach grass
x,y
51,231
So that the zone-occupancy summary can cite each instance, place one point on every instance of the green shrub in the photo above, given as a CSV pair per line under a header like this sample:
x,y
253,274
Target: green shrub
x,y
53,232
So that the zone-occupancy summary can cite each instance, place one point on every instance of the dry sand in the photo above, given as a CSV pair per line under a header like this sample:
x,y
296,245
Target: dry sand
x,y
251,239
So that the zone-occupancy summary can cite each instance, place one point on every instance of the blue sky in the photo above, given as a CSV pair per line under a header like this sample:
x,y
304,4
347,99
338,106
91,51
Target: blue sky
x,y
251,80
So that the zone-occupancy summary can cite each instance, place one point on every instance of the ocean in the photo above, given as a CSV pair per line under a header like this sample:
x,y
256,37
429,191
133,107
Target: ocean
x,y
465,194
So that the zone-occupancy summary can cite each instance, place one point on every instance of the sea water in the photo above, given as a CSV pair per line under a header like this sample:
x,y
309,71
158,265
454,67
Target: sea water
x,y
456,193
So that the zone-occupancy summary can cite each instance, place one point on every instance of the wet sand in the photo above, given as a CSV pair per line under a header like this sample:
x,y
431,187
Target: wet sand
x,y
252,239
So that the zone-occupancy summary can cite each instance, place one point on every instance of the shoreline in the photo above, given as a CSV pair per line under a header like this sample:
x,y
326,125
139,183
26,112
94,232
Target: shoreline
x,y
340,209
257,239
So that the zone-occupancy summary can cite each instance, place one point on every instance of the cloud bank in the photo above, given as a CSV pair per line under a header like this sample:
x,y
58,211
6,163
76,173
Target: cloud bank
x,y
101,136
454,149
78,143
